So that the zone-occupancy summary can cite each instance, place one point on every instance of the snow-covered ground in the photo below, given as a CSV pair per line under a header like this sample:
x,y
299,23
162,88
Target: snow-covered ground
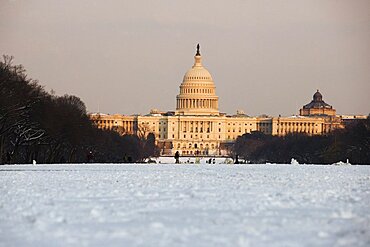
x,y
184,205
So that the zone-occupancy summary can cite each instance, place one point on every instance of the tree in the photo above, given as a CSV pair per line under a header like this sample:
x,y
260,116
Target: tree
x,y
35,124
150,148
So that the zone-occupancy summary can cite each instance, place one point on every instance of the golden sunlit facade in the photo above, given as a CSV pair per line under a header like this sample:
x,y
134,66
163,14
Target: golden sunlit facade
x,y
198,128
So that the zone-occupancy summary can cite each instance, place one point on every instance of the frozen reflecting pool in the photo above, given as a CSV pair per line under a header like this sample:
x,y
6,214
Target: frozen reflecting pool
x,y
184,205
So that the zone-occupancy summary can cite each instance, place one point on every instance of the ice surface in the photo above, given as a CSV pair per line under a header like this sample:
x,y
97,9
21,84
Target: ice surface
x,y
184,205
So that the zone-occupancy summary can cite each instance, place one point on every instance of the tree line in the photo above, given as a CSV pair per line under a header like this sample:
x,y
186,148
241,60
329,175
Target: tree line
x,y
352,143
37,125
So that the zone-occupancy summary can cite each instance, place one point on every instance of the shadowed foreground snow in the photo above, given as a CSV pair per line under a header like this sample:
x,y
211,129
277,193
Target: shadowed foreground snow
x,y
184,205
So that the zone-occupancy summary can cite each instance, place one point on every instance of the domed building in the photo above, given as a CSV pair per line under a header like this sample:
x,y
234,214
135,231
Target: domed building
x,y
317,107
197,91
197,128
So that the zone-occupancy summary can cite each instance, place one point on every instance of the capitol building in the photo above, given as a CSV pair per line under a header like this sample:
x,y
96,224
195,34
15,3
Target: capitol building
x,y
198,128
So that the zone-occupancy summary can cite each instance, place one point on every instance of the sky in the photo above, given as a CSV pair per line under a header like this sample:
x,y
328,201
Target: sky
x,y
127,57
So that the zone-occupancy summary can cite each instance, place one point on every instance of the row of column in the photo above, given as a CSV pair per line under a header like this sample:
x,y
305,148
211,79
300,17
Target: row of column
x,y
128,126
285,128
187,126
197,103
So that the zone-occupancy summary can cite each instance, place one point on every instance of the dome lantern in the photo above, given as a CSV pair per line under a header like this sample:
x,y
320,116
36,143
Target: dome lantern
x,y
317,97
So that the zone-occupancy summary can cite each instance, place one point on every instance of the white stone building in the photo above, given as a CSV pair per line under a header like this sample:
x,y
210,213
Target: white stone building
x,y
198,128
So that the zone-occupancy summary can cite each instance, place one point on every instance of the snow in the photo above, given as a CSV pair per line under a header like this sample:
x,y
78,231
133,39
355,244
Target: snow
x,y
184,205
192,160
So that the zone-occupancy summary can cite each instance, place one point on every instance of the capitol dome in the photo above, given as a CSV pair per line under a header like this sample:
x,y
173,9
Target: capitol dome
x,y
197,91
198,72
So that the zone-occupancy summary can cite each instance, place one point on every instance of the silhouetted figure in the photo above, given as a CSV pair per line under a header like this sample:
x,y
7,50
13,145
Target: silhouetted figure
x,y
177,157
89,157
236,159
198,50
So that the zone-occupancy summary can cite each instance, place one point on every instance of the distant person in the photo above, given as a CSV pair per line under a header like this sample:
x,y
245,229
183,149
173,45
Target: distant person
x,y
177,157
236,159
89,157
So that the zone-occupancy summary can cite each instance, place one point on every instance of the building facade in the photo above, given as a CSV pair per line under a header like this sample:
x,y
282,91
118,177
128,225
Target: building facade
x,y
198,128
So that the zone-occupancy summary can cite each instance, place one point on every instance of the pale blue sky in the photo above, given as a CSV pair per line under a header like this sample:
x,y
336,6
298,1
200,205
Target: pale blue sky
x,y
130,56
